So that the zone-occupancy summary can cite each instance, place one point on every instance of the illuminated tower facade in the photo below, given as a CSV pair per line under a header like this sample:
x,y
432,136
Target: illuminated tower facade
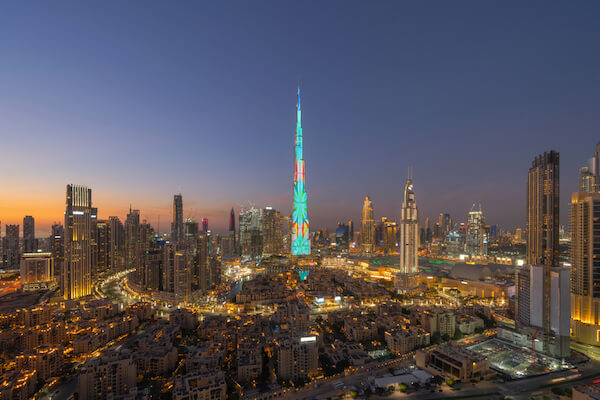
x,y
300,241
476,242
367,231
585,255
409,231
77,270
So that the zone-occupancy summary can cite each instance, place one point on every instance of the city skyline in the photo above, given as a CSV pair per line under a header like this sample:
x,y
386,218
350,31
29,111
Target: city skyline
x,y
490,103
161,163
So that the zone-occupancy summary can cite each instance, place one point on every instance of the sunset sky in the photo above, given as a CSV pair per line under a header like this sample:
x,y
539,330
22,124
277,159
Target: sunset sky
x,y
140,100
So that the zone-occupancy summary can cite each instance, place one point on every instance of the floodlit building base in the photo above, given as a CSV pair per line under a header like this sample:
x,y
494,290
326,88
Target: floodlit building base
x,y
405,283
585,333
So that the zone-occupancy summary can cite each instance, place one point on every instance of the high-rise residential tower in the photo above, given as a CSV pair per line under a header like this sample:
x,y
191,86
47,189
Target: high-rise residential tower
x,y
300,240
409,231
117,245
11,255
77,269
29,242
585,267
272,231
542,210
251,238
133,255
57,248
177,224
367,231
585,256
549,303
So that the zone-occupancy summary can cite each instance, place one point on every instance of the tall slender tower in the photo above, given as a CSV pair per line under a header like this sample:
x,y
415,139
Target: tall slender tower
x,y
77,268
300,241
177,225
409,231
542,227
29,242
367,231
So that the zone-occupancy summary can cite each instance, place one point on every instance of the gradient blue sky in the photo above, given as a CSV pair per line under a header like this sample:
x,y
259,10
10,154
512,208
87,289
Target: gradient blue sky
x,y
140,100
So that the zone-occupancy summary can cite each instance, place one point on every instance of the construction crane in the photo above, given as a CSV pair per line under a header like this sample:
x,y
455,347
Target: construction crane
x,y
533,337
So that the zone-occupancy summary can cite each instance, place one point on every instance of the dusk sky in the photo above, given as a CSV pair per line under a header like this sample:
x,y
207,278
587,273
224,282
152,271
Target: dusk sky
x,y
141,100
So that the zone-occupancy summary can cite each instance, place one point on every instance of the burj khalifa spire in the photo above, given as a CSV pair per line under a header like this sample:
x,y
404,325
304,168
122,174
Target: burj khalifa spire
x,y
300,239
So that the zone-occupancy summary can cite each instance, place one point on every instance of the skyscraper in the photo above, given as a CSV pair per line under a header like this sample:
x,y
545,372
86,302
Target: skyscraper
x,y
102,266
542,210
77,269
585,267
272,231
445,223
342,235
232,235
190,229
117,245
251,233
300,241
390,229
10,247
29,242
57,248
585,255
177,224
232,221
542,222
133,253
476,241
204,224
351,231
367,231
409,231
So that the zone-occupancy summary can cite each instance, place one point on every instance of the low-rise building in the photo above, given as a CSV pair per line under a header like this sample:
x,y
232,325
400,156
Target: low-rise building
x,y
440,321
453,361
186,319
400,341
468,324
360,329
112,375
18,385
99,309
142,310
200,386
46,361
249,364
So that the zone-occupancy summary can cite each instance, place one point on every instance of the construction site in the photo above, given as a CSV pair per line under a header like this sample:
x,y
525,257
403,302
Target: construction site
x,y
517,362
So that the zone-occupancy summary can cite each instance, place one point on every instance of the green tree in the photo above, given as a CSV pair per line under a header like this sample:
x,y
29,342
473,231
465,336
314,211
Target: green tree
x,y
458,334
